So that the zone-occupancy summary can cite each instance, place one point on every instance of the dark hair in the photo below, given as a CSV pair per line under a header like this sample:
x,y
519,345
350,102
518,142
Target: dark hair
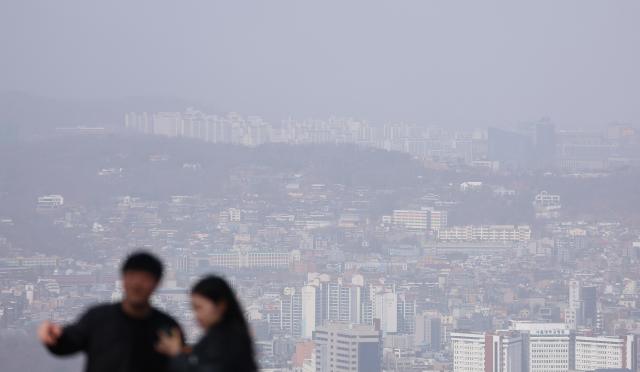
x,y
143,261
217,289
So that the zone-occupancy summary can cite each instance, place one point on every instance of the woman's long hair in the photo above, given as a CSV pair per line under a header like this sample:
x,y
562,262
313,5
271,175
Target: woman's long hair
x,y
216,289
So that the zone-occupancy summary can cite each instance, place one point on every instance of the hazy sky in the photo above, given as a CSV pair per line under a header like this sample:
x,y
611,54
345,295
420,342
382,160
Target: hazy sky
x,y
457,63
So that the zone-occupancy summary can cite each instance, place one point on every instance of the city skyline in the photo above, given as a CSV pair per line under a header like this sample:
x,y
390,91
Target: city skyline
x,y
368,186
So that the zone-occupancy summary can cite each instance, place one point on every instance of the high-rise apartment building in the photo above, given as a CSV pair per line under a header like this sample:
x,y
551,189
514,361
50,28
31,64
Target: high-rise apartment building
x,y
335,300
310,310
406,313
385,308
194,125
139,123
342,346
291,312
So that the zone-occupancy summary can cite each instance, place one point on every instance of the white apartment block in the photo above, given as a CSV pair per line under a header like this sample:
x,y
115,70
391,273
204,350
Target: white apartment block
x,y
50,202
167,124
250,259
309,311
411,219
424,219
486,233
545,199
139,123
235,215
573,313
385,308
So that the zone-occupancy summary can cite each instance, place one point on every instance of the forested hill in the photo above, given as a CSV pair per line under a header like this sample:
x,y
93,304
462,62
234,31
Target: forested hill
x,y
70,166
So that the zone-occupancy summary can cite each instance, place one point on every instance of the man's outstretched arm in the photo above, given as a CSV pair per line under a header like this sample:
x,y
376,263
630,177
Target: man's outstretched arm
x,y
67,340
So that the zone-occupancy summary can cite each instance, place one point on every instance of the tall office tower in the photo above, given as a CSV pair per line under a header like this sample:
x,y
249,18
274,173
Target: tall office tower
x,y
600,353
545,139
582,309
406,313
509,147
428,331
589,302
341,346
481,322
527,128
499,351
167,124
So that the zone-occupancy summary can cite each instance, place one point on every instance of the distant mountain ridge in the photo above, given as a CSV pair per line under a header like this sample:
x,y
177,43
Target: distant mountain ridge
x,y
38,116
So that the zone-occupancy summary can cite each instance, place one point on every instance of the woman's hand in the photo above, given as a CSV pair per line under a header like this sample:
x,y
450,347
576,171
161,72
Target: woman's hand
x,y
169,344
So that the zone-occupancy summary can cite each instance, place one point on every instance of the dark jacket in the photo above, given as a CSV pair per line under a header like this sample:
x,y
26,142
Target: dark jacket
x,y
225,348
115,342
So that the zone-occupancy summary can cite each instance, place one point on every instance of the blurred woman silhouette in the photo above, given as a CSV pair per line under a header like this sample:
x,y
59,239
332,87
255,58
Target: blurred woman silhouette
x,y
226,345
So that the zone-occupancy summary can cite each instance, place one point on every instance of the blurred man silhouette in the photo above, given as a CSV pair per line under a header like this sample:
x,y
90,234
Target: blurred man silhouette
x,y
118,337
